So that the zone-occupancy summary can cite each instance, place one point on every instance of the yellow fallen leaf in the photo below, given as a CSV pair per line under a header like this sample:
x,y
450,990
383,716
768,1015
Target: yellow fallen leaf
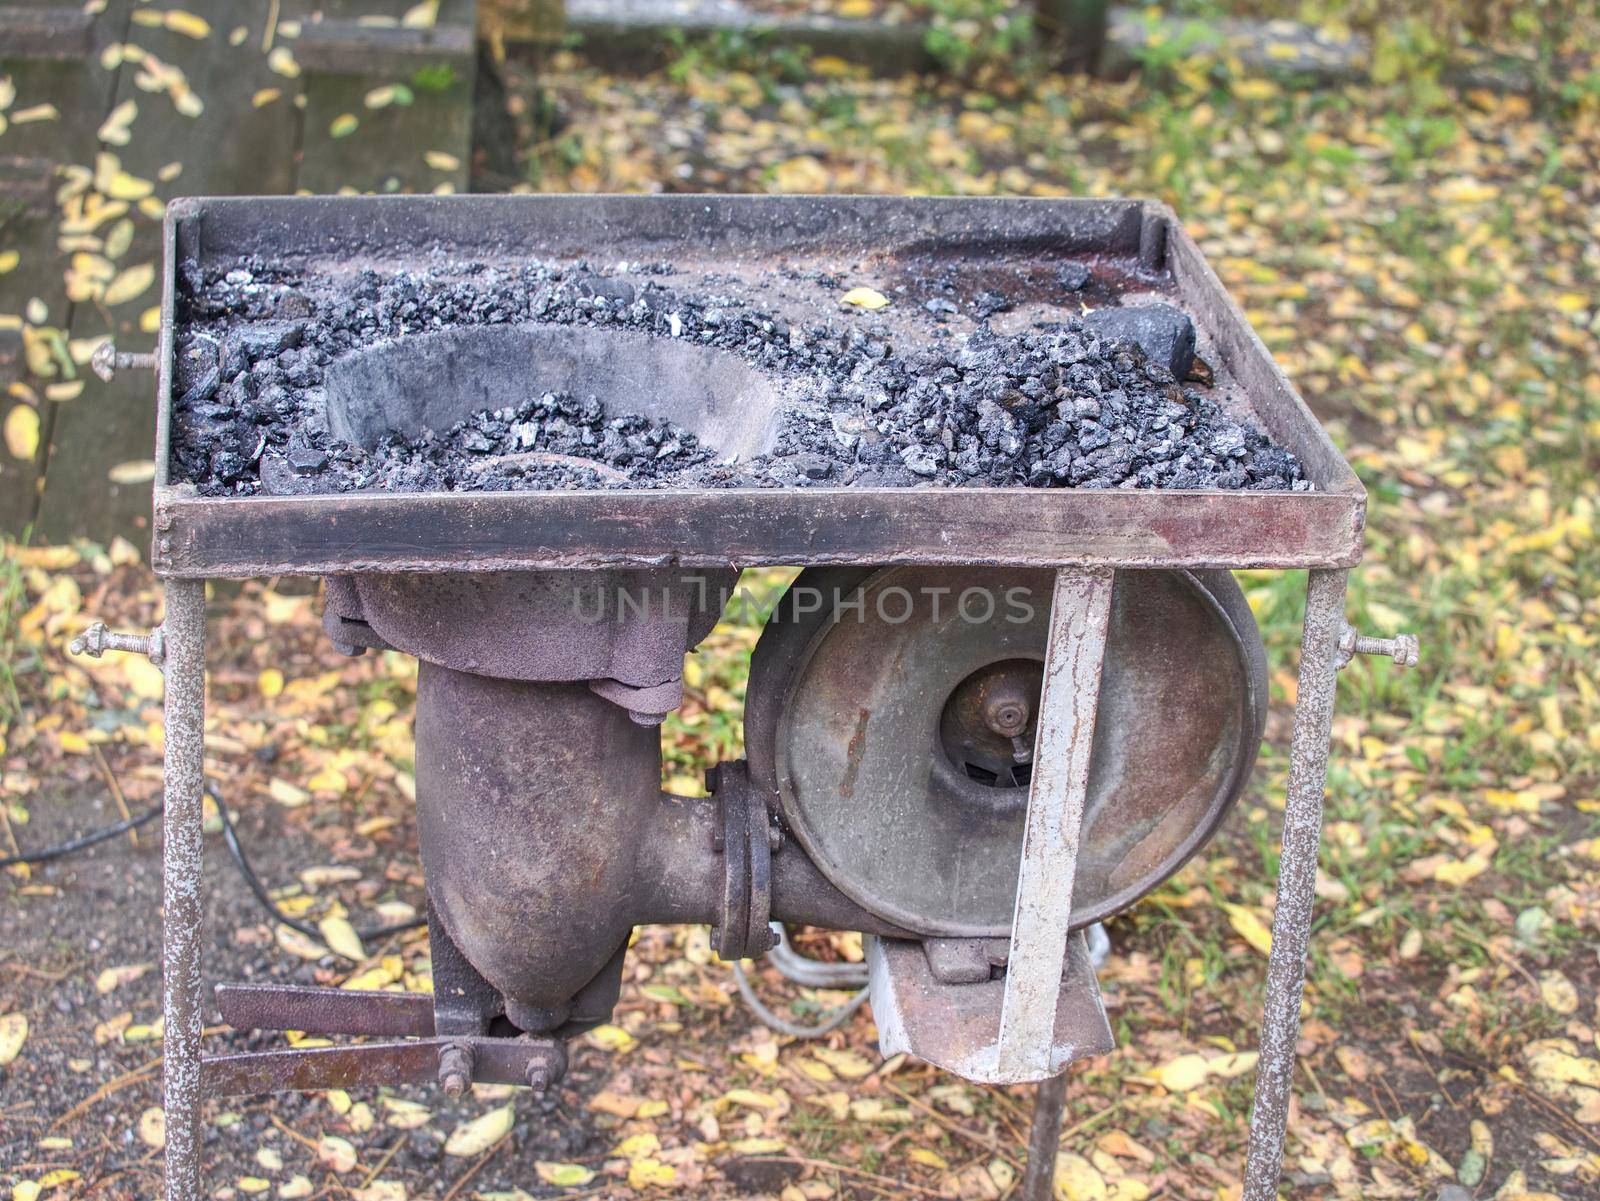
x,y
144,677
1182,1074
281,61
801,174
133,472
26,1190
1558,993
115,977
22,432
9,260
1563,1067
1236,1064
564,1175
13,1033
750,1099
1459,871
153,1127
114,130
1077,1179
297,944
343,125
477,1136
867,298
440,161
131,284
381,1190
638,1146
647,1173
851,1065
612,1038
1249,927
337,1154
421,16
342,938
188,24
928,1159
286,794
270,682
405,1115
757,1146
122,186
252,1184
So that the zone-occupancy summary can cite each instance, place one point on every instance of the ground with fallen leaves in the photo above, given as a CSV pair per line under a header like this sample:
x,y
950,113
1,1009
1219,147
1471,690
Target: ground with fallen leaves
x,y
1423,262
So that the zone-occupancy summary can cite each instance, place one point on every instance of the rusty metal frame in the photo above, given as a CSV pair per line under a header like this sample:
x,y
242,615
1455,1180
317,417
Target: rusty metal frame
x,y
184,1089
1043,527
1079,613
1086,532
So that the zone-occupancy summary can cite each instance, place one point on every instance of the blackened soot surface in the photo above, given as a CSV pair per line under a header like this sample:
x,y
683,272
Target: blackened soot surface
x,y
1057,405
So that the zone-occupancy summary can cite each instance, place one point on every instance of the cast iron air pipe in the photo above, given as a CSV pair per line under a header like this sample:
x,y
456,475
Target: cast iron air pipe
x,y
546,838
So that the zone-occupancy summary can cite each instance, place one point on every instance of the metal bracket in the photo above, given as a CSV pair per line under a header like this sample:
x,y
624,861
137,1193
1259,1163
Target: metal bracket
x,y
1402,648
1080,613
454,1060
744,842
97,640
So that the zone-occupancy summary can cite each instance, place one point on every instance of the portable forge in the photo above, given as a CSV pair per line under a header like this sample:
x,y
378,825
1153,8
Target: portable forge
x,y
981,719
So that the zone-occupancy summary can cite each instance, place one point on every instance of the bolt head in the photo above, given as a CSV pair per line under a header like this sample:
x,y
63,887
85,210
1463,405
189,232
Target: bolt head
x,y
1407,650
104,360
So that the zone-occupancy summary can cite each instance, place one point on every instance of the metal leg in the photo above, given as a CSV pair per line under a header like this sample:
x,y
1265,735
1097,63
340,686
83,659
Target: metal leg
x,y
1039,1175
1073,656
1297,878
184,635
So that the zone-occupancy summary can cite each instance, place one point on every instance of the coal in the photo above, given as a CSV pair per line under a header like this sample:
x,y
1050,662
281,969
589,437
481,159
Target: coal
x,y
1164,333
1096,402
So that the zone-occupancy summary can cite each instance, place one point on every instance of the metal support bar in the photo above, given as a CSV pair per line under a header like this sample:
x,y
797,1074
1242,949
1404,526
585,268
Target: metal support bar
x,y
1044,1139
1073,655
326,1010
1297,879
182,909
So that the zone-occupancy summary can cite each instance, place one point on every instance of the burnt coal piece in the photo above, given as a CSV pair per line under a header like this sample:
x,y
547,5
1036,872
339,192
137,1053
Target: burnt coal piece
x,y
1091,402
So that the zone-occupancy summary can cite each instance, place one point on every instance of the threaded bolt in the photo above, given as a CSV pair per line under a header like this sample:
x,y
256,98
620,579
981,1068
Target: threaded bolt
x,y
107,360
97,640
455,1069
547,1063
1404,649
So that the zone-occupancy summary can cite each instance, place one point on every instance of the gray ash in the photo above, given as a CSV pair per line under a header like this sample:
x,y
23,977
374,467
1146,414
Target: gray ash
x,y
1091,403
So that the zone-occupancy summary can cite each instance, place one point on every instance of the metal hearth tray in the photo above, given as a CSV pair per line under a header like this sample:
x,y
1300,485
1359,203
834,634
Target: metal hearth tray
x,y
1136,248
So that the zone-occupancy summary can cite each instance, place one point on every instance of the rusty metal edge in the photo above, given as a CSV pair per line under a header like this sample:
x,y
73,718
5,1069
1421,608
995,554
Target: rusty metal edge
x,y
257,536
230,537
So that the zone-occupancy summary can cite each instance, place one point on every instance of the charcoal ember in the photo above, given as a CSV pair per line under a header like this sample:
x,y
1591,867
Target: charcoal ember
x,y
1164,333
1074,277
306,460
1083,402
987,304
265,339
921,460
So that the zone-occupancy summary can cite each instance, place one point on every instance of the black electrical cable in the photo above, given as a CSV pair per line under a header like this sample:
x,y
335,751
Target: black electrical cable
x,y
62,849
230,839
